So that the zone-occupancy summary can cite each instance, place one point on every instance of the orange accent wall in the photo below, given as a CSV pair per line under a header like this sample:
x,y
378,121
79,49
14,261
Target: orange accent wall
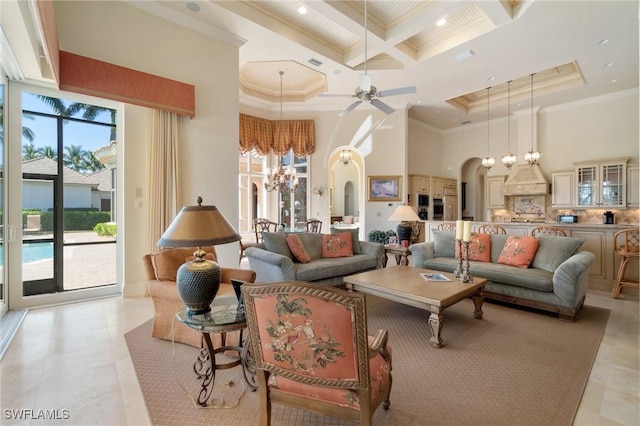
x,y
88,76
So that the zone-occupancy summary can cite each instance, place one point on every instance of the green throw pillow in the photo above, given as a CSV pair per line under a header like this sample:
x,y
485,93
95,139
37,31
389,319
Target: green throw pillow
x,y
277,242
355,238
553,250
443,244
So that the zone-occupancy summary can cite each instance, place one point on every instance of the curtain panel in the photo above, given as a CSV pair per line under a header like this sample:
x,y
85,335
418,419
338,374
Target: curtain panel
x,y
278,136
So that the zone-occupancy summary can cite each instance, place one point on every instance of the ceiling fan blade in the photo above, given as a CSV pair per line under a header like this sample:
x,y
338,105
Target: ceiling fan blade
x,y
350,108
398,91
334,95
382,106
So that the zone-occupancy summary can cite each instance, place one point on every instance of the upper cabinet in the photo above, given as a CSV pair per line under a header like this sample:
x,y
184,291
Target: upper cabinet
x,y
633,186
420,184
437,187
601,184
495,197
562,192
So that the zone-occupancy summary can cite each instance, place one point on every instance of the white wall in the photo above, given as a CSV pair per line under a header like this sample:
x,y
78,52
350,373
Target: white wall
x,y
124,35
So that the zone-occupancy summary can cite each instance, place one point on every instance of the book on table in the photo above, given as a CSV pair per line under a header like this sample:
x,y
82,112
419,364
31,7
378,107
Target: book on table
x,y
434,277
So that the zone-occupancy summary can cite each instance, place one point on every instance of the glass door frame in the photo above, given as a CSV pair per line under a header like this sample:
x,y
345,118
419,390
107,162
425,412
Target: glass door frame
x,y
13,201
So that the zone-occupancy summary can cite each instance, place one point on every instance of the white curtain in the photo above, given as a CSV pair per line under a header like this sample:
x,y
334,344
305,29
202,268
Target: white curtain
x,y
163,174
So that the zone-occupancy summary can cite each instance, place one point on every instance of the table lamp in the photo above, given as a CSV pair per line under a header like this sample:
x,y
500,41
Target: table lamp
x,y
198,280
404,214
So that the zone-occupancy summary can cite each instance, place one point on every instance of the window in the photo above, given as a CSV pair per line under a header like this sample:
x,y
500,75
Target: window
x,y
253,202
293,205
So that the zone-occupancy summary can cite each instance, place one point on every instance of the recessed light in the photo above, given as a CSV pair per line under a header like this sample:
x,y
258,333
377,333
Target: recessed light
x,y
491,78
464,55
302,10
193,7
615,80
603,41
607,65
336,72
441,22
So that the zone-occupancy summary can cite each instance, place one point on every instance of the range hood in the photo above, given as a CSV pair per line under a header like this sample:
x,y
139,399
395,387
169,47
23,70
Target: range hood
x,y
527,180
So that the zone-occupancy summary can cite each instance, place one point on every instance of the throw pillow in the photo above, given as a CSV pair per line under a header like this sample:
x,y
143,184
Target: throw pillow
x,y
337,245
479,247
297,248
518,251
276,242
355,238
554,250
443,245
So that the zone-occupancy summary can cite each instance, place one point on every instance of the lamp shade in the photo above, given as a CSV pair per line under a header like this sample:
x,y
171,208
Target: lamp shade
x,y
404,213
197,226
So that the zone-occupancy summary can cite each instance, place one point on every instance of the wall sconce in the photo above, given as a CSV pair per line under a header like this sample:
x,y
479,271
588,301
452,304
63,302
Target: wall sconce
x,y
319,190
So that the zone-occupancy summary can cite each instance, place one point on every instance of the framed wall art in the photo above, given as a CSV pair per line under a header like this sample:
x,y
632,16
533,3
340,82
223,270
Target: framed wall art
x,y
384,188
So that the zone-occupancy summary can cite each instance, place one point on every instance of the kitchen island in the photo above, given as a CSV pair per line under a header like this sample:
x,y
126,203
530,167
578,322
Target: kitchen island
x,y
598,239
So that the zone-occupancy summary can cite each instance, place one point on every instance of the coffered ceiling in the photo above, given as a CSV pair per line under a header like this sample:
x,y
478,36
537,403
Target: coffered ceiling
x,y
577,50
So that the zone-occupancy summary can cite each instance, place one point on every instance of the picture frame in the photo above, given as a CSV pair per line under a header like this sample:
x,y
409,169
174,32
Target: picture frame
x,y
393,241
384,188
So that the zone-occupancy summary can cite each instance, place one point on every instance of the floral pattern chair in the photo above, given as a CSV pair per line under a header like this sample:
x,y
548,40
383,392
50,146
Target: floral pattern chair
x,y
311,350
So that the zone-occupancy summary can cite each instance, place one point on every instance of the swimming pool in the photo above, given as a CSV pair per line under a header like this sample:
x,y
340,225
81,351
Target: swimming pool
x,y
32,252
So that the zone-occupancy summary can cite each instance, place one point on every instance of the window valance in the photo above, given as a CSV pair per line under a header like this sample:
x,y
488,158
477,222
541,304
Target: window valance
x,y
278,136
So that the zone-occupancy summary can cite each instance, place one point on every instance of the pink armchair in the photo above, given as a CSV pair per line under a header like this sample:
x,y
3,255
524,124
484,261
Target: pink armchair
x,y
311,350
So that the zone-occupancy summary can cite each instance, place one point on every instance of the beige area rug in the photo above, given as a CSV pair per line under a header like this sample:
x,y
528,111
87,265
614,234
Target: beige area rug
x,y
514,367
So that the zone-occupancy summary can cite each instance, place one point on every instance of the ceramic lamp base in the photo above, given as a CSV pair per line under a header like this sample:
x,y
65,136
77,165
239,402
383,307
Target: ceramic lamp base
x,y
198,282
404,233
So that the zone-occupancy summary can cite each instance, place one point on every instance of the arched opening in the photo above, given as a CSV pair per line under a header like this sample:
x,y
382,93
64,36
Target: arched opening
x,y
473,175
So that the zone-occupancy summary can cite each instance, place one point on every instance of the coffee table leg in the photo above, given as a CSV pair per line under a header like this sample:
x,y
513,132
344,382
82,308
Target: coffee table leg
x,y
477,301
436,321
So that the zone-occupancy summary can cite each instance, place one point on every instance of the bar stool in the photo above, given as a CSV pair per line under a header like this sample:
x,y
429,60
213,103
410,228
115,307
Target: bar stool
x,y
626,244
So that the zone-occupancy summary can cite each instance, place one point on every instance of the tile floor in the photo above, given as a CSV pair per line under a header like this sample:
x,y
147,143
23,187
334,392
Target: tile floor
x,y
75,358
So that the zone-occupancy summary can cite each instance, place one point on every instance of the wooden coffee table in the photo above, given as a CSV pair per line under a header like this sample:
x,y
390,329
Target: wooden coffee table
x,y
403,284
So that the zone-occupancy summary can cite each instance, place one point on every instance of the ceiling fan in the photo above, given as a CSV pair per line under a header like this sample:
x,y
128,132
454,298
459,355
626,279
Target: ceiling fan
x,y
367,92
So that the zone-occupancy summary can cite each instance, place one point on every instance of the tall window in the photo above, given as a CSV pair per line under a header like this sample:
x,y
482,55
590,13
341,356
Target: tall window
x,y
293,205
253,202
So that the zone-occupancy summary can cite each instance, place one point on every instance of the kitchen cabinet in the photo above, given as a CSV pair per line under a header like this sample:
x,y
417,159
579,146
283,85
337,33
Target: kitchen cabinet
x,y
494,194
420,184
437,187
633,186
562,189
601,184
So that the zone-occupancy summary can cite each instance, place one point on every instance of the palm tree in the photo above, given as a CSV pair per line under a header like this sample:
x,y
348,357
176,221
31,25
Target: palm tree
x,y
49,152
91,112
73,157
91,163
29,152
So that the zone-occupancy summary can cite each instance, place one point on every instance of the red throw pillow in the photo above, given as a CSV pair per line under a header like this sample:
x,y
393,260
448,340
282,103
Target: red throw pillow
x,y
519,251
479,248
337,245
297,248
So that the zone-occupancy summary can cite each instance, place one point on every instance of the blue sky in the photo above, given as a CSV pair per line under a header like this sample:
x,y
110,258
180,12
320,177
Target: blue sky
x,y
89,137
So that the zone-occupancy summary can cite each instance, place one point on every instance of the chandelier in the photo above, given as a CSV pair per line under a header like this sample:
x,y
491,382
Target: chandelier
x,y
487,161
279,178
345,156
532,157
509,159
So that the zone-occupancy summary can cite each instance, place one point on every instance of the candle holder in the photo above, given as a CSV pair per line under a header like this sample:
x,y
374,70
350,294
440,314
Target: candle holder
x,y
465,276
458,271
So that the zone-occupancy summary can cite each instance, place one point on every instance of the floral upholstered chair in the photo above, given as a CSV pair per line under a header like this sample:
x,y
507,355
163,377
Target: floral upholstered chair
x,y
311,350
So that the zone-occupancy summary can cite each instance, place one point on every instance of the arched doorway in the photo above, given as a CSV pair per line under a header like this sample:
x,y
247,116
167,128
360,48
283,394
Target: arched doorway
x,y
473,174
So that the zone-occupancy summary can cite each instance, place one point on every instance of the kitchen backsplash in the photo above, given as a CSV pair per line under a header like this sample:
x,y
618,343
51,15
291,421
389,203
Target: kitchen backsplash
x,y
519,208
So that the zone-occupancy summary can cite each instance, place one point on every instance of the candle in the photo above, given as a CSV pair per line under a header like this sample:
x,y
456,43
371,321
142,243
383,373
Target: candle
x,y
459,229
466,235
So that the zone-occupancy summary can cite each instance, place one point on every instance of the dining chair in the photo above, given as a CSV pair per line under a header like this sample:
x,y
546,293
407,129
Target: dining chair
x,y
311,350
314,225
491,229
259,225
626,244
447,226
548,230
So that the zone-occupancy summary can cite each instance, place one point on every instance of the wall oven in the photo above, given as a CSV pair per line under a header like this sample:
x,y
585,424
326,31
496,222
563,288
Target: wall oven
x,y
438,209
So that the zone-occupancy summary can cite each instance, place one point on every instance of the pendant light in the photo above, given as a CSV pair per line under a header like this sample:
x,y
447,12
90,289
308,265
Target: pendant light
x,y
487,161
532,157
509,159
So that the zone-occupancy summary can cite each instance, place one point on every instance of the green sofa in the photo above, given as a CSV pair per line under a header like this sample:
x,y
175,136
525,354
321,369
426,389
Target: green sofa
x,y
277,263
556,280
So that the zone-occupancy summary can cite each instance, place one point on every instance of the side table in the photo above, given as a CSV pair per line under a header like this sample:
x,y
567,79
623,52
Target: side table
x,y
402,254
221,321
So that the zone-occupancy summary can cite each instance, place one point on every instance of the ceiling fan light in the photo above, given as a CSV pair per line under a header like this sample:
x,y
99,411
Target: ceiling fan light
x,y
365,82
